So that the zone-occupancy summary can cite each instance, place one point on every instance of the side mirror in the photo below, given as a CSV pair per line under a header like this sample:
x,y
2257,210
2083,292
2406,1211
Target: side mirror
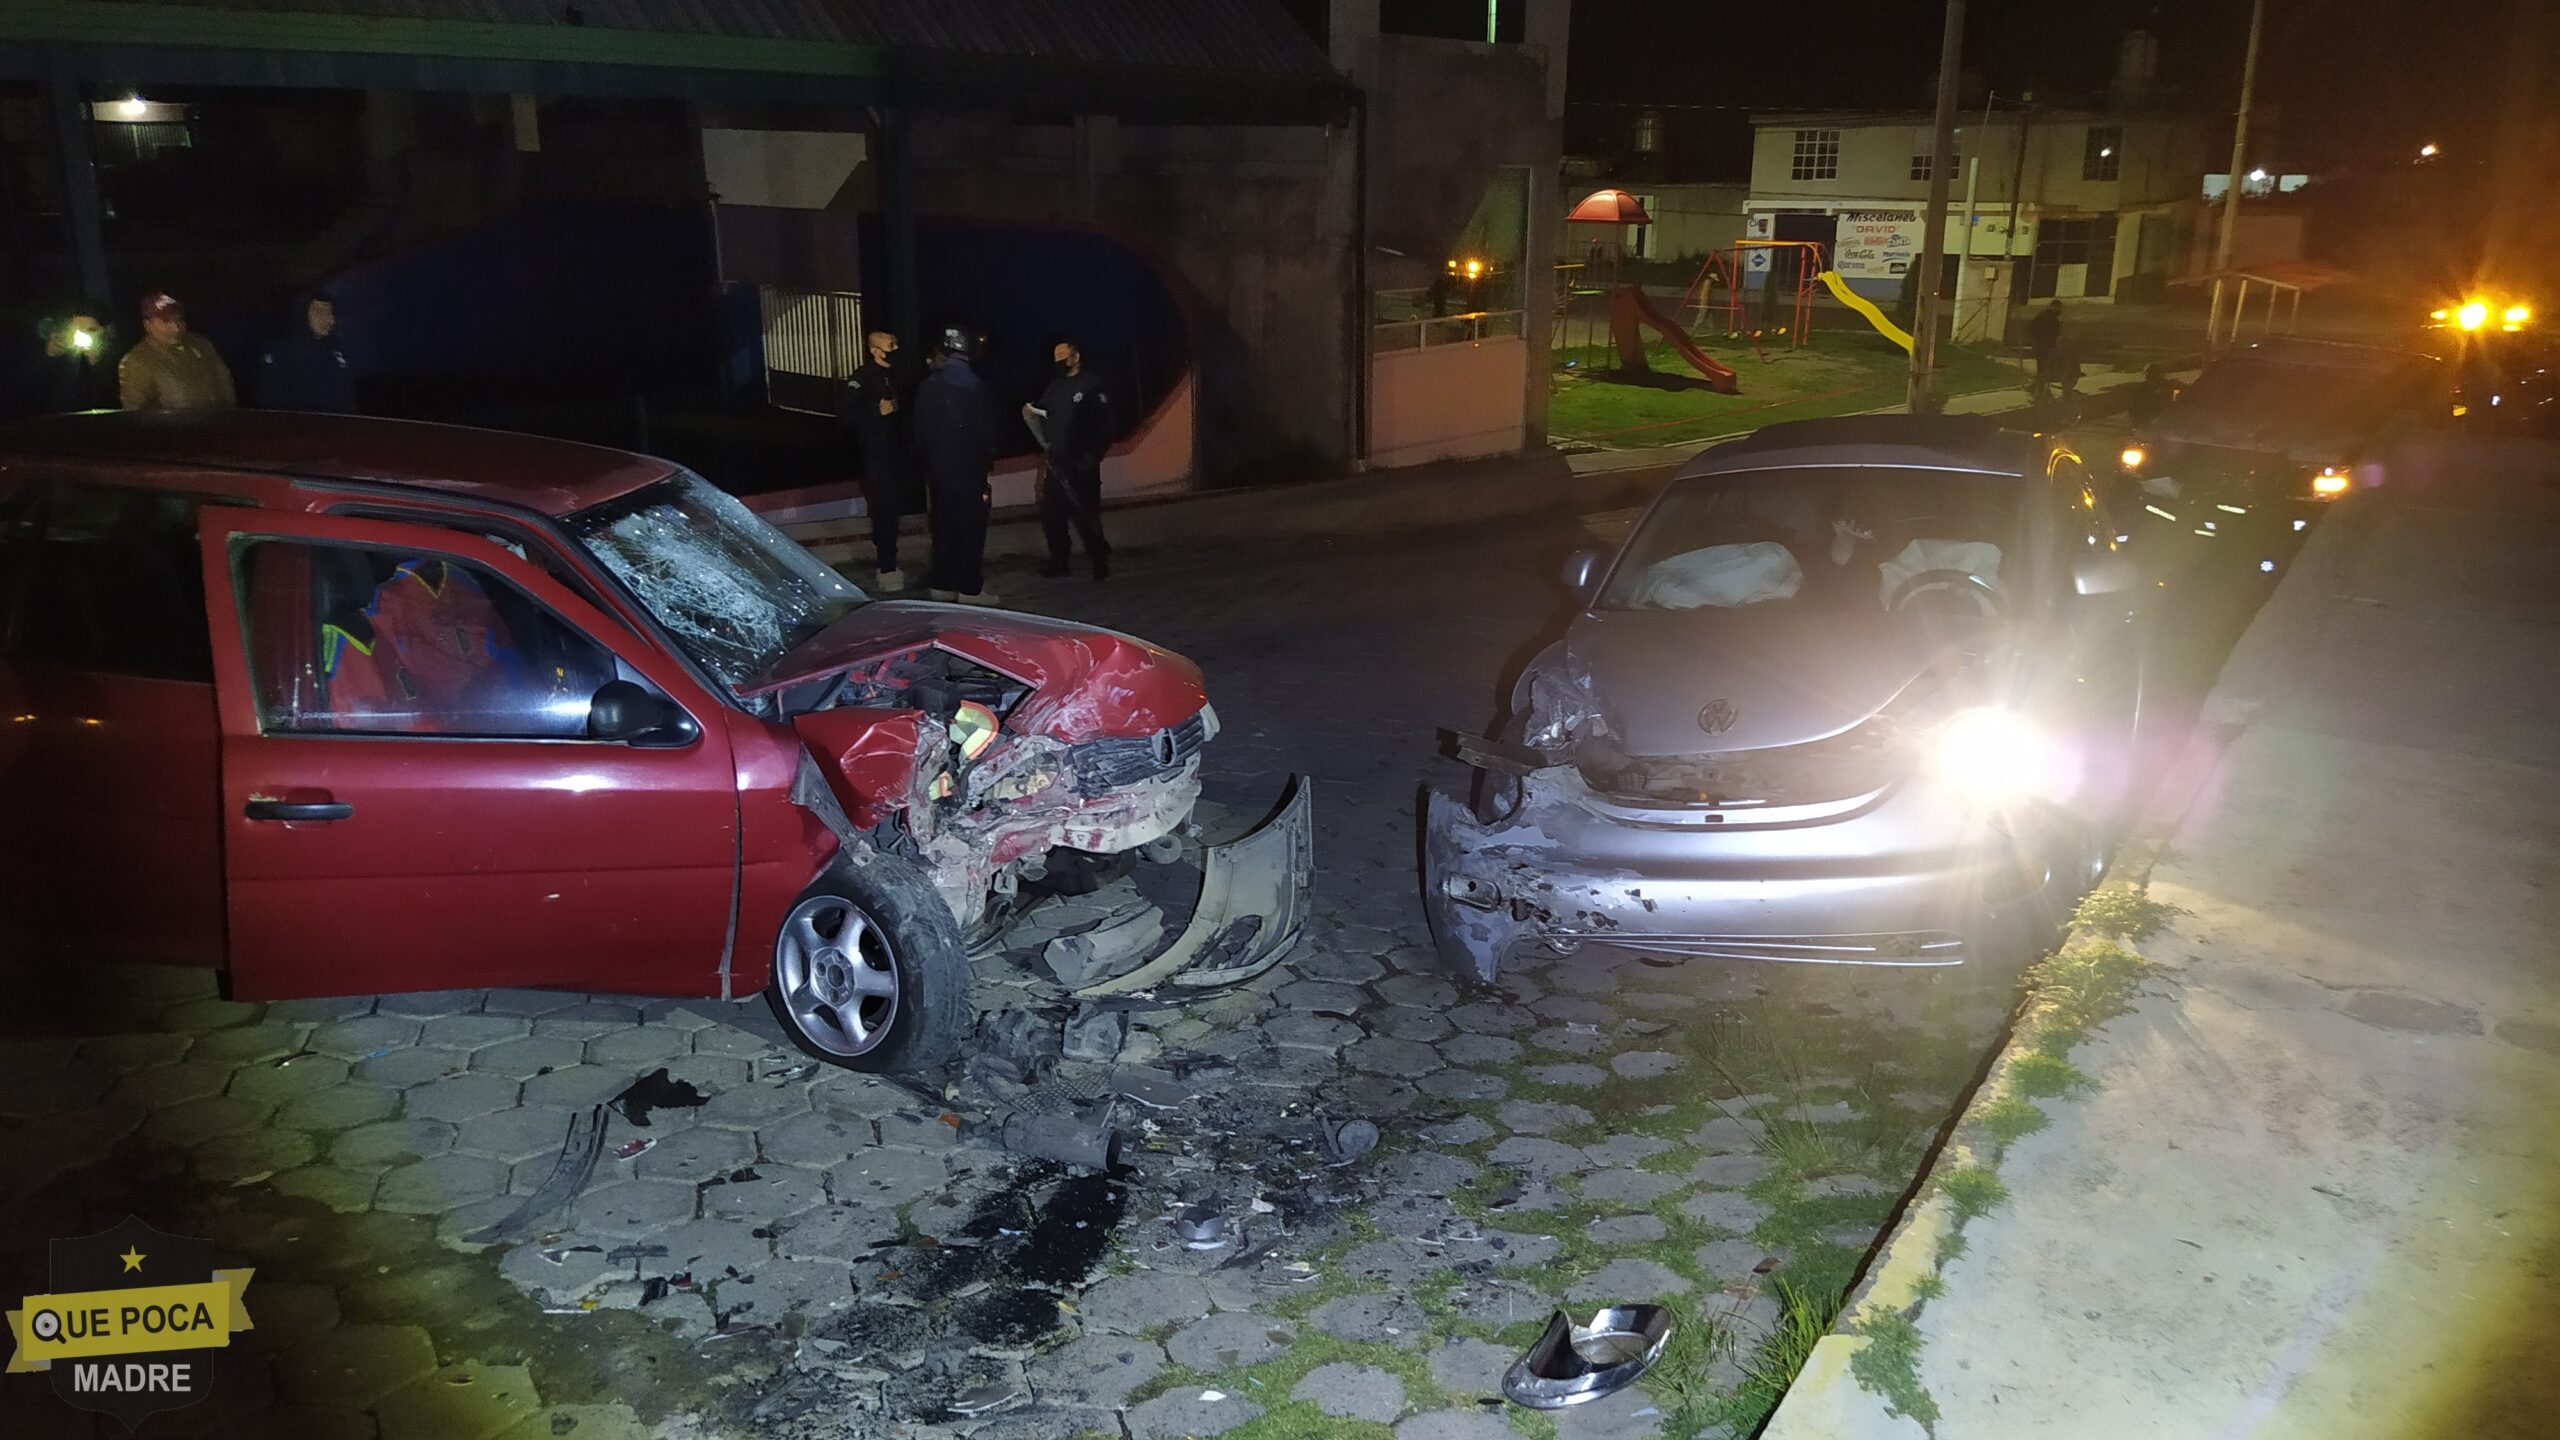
x,y
2102,573
629,714
1582,570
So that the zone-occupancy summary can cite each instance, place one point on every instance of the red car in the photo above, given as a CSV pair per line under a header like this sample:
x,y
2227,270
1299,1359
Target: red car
x,y
347,706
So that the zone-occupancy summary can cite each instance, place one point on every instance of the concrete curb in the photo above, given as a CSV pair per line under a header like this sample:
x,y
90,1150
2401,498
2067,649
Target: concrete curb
x,y
1826,1401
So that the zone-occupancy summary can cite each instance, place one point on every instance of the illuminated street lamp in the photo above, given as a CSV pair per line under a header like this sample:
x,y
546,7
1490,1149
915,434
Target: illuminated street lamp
x,y
2427,151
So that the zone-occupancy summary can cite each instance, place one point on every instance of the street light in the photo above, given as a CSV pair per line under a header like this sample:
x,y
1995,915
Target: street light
x,y
2427,151
134,107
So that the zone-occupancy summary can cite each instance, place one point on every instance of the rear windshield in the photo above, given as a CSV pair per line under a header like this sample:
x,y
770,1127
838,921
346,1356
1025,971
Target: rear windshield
x,y
1839,538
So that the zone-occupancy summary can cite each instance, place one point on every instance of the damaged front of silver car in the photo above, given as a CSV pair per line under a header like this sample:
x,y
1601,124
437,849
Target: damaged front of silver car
x,y
1821,709
1861,847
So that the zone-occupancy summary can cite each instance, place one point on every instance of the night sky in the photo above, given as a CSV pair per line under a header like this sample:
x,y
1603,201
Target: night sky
x,y
2344,82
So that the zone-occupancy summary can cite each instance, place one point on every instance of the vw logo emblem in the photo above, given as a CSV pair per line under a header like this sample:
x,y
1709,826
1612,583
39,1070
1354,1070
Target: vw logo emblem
x,y
1718,717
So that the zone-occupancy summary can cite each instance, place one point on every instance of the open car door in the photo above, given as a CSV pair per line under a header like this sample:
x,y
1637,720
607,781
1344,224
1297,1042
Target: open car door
x,y
422,788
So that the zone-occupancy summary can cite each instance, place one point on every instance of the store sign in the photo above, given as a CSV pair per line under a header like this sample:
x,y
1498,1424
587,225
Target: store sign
x,y
1877,244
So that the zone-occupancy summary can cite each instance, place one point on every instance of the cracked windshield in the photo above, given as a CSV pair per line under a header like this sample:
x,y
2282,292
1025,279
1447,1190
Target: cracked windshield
x,y
736,593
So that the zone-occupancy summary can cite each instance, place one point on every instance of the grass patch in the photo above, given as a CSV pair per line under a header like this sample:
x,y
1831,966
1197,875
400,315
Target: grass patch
x,y
1301,1420
1974,1191
2081,986
1929,1287
1685,1375
1804,1317
2010,1118
1889,1365
1840,373
2045,1076
2124,912
1950,1248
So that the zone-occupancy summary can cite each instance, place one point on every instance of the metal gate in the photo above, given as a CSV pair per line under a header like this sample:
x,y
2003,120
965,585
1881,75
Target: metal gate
x,y
812,342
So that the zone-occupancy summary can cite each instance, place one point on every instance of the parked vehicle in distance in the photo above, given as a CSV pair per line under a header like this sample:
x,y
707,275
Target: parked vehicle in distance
x,y
345,706
1858,691
2271,433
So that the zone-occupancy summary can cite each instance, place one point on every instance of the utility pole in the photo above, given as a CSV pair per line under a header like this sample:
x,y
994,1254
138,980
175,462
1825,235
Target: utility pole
x,y
1964,240
1933,228
2231,195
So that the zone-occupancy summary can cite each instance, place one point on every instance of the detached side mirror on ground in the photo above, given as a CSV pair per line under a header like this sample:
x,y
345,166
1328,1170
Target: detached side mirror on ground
x,y
630,714
1582,569
2105,573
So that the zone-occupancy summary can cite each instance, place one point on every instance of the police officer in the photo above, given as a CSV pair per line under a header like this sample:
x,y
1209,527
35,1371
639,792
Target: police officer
x,y
1076,425
308,369
956,431
876,400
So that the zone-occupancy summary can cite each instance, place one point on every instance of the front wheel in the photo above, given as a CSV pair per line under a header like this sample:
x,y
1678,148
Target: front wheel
x,y
869,971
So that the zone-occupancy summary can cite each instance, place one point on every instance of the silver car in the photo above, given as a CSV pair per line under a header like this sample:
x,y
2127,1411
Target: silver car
x,y
1855,691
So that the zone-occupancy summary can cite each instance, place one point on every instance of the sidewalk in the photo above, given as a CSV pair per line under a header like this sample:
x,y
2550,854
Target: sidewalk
x,y
2312,1184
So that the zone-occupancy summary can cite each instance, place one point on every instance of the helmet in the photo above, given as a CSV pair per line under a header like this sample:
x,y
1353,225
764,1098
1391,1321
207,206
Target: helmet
x,y
958,341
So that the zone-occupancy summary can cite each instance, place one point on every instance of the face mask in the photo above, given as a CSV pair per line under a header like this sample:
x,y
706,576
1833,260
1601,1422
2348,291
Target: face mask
x,y
1058,367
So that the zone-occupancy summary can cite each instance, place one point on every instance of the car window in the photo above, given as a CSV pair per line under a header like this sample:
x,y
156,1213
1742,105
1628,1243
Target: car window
x,y
369,640
1837,538
115,584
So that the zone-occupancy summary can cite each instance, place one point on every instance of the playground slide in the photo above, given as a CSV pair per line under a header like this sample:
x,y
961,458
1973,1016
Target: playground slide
x,y
1865,307
1627,306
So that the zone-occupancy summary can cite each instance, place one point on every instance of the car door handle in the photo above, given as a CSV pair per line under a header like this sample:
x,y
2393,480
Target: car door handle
x,y
298,810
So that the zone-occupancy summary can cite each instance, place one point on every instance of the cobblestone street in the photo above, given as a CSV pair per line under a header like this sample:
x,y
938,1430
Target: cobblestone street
x,y
809,1252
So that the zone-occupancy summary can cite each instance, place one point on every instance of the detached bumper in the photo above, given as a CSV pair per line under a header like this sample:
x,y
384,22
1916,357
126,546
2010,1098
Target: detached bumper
x,y
1253,905
1883,886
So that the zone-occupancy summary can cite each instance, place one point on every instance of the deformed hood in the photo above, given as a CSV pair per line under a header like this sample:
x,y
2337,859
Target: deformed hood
x,y
1086,682
1759,678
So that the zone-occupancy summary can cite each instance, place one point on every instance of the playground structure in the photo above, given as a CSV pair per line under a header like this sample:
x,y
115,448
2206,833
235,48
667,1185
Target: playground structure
x,y
1704,306
1630,312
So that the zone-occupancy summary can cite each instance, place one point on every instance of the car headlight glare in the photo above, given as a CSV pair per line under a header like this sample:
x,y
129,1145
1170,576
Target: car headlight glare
x,y
2133,457
1997,756
2332,480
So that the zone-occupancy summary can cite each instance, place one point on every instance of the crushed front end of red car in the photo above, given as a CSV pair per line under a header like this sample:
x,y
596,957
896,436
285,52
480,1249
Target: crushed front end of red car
x,y
991,748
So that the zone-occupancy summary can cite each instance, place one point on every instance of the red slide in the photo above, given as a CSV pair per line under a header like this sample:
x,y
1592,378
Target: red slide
x,y
1627,308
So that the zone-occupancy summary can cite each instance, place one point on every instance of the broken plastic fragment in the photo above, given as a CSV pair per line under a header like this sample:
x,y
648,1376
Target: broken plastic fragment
x,y
1212,1397
1348,1140
629,1148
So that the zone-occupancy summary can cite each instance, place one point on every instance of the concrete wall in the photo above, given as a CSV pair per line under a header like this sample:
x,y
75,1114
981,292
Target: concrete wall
x,y
1448,402
1253,224
1445,116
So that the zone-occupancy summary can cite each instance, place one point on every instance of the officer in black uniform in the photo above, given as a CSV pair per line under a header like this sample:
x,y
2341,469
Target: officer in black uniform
x,y
308,370
877,399
1077,425
956,429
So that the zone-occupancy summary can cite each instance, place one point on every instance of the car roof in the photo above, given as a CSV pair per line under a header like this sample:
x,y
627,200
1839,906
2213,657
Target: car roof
x,y
1920,442
553,476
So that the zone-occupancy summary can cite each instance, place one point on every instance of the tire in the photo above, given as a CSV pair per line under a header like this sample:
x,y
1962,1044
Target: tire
x,y
869,971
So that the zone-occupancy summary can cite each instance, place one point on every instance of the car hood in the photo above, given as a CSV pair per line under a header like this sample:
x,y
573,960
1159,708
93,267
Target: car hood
x,y
1784,677
1087,682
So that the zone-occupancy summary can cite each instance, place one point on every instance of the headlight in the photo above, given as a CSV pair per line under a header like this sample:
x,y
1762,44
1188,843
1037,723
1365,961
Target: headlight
x,y
2332,480
2472,315
1997,756
2133,457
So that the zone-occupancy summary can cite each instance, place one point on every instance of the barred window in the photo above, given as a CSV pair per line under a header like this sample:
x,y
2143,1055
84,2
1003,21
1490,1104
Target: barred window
x,y
1924,147
2104,156
1817,155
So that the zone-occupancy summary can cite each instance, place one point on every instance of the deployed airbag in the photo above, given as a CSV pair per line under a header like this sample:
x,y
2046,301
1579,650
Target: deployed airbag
x,y
1977,558
1720,577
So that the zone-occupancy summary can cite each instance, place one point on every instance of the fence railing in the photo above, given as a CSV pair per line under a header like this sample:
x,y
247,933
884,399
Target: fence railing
x,y
2220,329
1421,332
812,343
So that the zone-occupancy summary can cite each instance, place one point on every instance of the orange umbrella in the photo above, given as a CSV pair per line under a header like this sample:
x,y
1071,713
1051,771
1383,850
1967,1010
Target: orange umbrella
x,y
1609,207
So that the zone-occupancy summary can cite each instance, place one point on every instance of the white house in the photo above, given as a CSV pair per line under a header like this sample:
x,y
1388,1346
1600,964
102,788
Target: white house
x,y
2074,204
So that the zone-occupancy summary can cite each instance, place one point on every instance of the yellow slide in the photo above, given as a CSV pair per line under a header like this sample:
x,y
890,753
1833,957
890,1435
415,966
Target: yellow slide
x,y
1841,292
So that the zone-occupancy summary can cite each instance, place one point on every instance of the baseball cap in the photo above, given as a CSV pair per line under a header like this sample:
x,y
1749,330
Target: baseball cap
x,y
162,307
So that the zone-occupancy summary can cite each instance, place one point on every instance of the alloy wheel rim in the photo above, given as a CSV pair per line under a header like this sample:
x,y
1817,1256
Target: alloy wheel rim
x,y
838,976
